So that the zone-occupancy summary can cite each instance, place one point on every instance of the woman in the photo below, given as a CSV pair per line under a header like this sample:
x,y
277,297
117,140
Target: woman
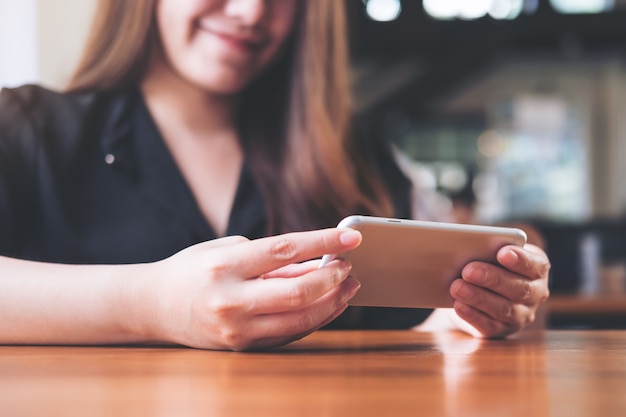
x,y
111,229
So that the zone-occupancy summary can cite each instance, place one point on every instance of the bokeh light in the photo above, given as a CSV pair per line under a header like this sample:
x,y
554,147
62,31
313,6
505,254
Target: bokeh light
x,y
383,10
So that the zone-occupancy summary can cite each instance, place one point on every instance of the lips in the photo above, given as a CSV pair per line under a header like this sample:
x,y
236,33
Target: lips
x,y
246,39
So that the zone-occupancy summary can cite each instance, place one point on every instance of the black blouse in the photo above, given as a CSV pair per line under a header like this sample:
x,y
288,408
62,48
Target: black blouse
x,y
86,178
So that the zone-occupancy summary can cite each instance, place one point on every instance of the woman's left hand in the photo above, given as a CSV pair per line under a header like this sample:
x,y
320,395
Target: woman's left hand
x,y
498,300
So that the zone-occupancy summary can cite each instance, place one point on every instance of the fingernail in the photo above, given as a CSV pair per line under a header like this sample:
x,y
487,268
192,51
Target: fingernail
x,y
350,237
346,267
509,258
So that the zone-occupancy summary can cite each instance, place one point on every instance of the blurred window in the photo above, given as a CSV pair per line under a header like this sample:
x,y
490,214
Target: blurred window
x,y
528,158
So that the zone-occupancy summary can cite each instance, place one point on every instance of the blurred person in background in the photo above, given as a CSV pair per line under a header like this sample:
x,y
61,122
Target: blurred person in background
x,y
184,185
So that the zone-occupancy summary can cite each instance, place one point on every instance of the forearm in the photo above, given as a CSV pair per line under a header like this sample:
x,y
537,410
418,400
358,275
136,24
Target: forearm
x,y
44,303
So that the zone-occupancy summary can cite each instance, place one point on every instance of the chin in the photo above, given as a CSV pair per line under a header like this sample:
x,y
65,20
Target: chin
x,y
224,85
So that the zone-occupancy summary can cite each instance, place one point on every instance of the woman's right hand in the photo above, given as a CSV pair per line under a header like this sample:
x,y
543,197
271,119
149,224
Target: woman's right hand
x,y
239,294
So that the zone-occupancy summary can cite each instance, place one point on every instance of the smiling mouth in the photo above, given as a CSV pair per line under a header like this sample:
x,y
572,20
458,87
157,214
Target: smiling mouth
x,y
237,43
244,41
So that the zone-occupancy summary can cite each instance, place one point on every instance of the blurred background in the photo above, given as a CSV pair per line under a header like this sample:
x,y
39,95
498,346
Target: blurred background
x,y
516,109
513,109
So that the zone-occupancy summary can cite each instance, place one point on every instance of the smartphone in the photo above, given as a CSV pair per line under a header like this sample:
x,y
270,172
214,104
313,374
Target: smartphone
x,y
411,263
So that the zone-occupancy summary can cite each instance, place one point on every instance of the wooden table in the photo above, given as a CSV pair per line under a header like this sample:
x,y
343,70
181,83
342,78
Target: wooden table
x,y
330,373
579,311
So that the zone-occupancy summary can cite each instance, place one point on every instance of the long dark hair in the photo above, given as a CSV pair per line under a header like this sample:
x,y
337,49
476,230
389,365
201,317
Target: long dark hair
x,y
294,121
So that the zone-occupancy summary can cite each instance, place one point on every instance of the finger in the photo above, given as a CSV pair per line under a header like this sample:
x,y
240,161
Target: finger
x,y
283,340
256,257
293,324
223,242
512,286
486,326
492,305
529,261
264,296
293,270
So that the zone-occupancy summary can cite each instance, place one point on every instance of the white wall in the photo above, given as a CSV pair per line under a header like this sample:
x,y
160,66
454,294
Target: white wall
x,y
63,27
41,40
18,42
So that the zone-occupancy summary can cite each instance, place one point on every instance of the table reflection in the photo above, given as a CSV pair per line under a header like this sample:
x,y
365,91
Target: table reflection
x,y
330,373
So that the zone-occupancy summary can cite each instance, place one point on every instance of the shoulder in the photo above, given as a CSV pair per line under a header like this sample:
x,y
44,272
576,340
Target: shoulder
x,y
35,98
30,108
32,116
35,105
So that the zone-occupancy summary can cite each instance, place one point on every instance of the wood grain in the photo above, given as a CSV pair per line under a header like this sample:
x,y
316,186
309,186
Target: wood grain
x,y
330,373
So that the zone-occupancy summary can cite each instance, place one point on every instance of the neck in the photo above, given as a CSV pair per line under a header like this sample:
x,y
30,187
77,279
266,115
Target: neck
x,y
174,101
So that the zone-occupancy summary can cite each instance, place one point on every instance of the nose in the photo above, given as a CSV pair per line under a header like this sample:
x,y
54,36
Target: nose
x,y
249,12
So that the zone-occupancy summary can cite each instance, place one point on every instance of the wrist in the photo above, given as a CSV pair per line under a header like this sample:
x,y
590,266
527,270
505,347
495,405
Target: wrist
x,y
141,316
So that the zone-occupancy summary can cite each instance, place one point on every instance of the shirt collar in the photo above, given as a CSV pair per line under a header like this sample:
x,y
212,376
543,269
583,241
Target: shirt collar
x,y
132,145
